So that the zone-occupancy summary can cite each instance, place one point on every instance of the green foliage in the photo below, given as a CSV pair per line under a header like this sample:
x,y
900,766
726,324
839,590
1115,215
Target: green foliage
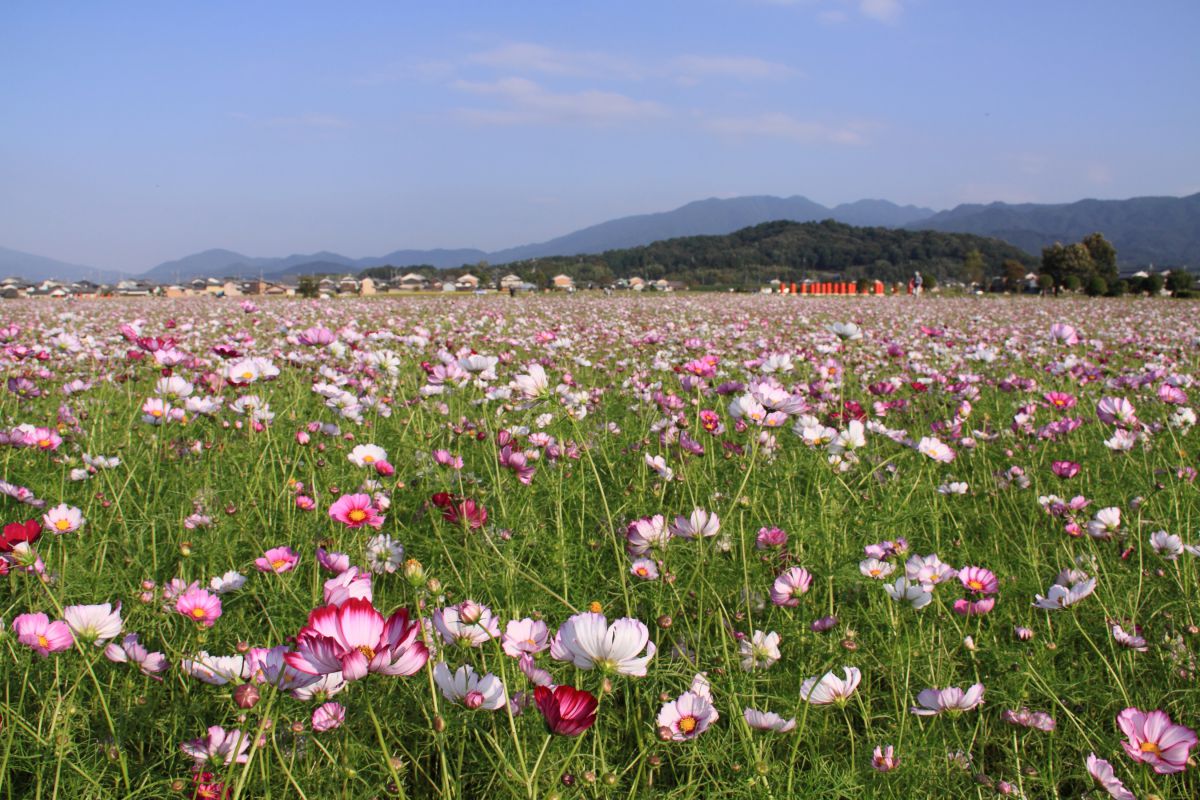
x,y
1013,273
309,286
791,252
1096,286
1180,280
1153,284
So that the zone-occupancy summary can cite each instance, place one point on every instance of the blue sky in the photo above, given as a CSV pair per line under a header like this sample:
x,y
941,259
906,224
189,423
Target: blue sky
x,y
132,133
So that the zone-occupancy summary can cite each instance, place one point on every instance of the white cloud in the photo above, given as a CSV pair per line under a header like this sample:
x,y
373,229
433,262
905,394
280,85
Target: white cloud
x,y
527,102
882,10
530,57
785,126
691,68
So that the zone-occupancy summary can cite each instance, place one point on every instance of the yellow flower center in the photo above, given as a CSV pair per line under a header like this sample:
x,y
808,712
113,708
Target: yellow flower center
x,y
247,375
357,515
156,413
595,607
279,563
63,524
1150,747
43,442
366,651
369,459
975,584
198,612
687,724
43,641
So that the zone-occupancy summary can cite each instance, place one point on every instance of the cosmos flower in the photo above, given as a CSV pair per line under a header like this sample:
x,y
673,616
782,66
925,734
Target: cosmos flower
x,y
1060,596
468,624
44,637
1102,772
524,637
768,721
759,651
829,688
355,511
470,689
567,711
951,699
884,759
355,639
1155,740
686,717
219,746
328,716
589,642
906,590
277,560
63,519
94,623
788,587
699,524
199,605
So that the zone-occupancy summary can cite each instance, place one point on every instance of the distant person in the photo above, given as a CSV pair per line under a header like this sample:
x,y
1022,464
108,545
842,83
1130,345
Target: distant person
x,y
917,283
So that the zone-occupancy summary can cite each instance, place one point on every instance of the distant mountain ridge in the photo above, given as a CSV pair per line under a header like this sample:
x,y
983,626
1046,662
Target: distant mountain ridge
x,y
1145,230
1160,230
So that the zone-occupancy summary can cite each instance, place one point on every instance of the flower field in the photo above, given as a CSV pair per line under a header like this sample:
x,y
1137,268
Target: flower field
x,y
668,546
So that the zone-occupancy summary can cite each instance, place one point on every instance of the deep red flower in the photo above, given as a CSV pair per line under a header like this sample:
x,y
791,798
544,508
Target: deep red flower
x,y
16,533
467,510
568,711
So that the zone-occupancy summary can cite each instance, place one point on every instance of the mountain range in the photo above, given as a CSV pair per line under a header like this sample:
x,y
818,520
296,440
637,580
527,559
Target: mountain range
x,y
1145,230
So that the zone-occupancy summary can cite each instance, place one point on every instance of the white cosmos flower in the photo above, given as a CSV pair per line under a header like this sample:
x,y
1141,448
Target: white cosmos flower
x,y
829,688
699,523
1061,597
470,689
759,651
919,594
96,623
1167,545
367,455
534,383
846,331
589,642
229,582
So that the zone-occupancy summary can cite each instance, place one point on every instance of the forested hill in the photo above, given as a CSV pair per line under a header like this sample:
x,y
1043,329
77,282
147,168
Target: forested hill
x,y
789,251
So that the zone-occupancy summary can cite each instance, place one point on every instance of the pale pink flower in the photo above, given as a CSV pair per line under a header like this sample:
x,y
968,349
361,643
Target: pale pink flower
x,y
1155,740
328,716
277,560
524,637
950,699
355,511
43,636
829,688
686,717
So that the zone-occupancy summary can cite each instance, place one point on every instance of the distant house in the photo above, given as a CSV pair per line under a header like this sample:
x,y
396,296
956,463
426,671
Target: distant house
x,y
366,286
637,284
466,283
563,283
510,281
347,285
413,282
279,290
135,288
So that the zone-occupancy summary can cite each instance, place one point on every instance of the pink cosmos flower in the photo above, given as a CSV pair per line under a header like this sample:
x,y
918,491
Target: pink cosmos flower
x,y
328,717
951,699
524,637
699,523
979,580
645,569
337,563
351,584
63,519
43,636
1117,411
1065,469
1155,740
1064,333
789,586
355,639
277,560
1102,771
355,511
199,605
686,717
884,759
1060,400
974,608
133,651
768,538
1023,717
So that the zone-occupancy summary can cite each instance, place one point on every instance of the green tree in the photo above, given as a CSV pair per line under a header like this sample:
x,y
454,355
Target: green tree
x,y
1014,275
1071,283
1180,280
973,267
1152,284
309,286
1045,283
1096,286
1103,256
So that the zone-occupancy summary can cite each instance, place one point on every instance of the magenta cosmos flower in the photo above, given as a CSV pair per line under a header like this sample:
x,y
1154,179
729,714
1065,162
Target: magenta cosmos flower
x,y
199,605
568,711
43,636
1065,469
355,639
978,580
355,511
277,560
1155,740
